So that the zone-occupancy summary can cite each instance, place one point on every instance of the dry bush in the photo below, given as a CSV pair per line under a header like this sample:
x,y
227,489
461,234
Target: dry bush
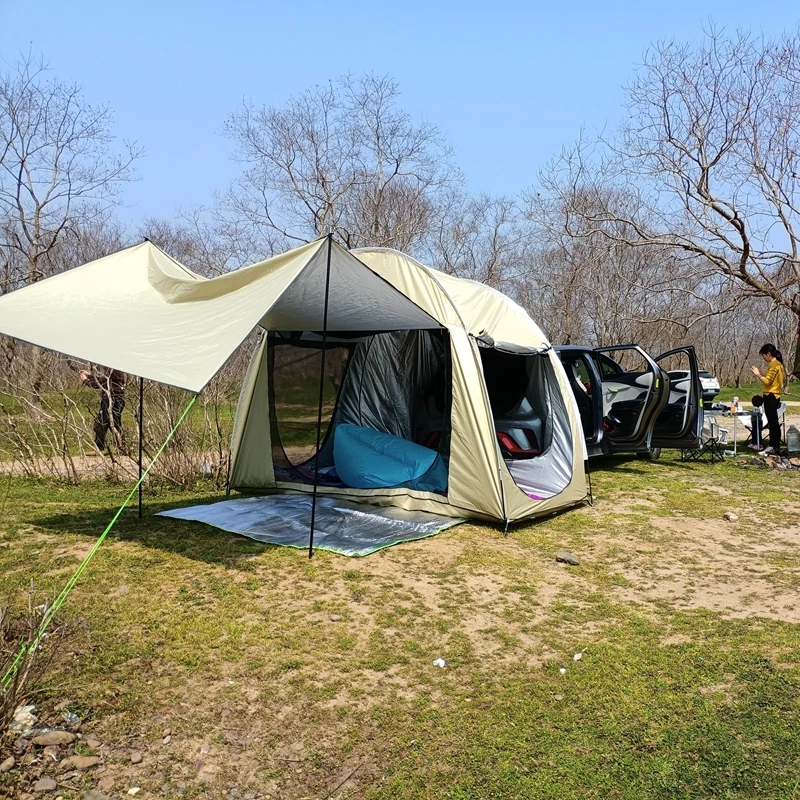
x,y
24,671
47,422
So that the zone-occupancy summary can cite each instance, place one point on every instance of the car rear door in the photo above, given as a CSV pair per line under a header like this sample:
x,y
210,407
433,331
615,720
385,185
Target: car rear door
x,y
634,391
585,381
680,422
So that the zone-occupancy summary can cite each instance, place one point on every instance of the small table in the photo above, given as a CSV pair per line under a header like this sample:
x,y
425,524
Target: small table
x,y
735,415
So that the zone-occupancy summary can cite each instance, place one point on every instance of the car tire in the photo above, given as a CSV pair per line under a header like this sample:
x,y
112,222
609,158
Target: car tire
x,y
653,454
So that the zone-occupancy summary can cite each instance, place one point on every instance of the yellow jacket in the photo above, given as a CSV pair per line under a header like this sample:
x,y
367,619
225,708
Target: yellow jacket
x,y
773,380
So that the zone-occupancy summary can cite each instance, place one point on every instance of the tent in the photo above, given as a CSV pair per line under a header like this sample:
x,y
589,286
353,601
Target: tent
x,y
439,394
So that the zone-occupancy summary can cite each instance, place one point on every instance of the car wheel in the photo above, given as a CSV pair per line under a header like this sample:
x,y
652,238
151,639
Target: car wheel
x,y
652,454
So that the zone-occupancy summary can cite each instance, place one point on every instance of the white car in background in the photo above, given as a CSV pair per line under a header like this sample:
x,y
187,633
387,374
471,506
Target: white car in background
x,y
708,382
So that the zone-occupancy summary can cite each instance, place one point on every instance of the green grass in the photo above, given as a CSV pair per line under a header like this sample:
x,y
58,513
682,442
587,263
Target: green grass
x,y
746,391
231,644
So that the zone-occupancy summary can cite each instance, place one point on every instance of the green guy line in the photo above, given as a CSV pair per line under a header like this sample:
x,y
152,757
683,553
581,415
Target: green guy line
x,y
64,594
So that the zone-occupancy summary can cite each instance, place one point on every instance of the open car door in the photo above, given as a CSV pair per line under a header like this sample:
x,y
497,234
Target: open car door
x,y
680,422
584,379
635,391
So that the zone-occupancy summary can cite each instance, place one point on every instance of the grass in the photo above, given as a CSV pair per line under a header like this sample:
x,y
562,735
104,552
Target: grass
x,y
686,687
747,390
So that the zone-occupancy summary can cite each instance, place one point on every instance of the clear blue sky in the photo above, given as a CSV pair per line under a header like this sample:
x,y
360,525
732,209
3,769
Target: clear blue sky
x,y
508,83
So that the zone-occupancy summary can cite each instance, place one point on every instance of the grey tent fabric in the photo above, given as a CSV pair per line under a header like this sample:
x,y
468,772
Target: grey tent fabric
x,y
387,375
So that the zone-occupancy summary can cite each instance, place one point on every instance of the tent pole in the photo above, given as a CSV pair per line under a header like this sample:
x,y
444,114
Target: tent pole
x,y
321,391
589,476
141,439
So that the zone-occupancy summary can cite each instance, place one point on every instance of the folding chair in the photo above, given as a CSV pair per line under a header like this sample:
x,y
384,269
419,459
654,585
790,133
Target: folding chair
x,y
713,440
756,427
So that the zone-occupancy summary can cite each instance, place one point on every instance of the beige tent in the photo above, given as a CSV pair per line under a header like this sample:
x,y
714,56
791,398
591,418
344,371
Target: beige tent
x,y
442,364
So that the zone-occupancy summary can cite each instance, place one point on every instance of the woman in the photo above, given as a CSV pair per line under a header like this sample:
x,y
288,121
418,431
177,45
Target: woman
x,y
772,383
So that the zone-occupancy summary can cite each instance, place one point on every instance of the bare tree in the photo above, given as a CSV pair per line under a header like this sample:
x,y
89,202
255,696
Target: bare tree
x,y
708,168
57,171
478,237
339,158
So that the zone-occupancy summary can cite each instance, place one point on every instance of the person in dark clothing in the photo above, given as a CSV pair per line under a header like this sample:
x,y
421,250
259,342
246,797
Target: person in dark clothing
x,y
111,383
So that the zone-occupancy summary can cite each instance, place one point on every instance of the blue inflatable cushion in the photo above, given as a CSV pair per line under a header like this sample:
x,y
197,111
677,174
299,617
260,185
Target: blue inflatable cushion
x,y
368,459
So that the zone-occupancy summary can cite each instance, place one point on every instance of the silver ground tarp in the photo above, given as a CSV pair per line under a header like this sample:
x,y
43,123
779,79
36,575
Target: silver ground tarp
x,y
352,529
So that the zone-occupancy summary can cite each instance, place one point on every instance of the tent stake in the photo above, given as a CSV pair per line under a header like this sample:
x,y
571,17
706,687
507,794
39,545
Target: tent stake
x,y
141,439
321,393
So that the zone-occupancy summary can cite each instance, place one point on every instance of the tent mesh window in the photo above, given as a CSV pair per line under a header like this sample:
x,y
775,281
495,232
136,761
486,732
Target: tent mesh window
x,y
396,383
519,411
530,419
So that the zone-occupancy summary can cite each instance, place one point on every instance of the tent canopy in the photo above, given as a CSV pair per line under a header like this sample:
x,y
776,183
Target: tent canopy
x,y
142,312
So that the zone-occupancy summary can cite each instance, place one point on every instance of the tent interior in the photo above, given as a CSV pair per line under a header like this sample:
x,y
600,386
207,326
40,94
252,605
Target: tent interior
x,y
385,402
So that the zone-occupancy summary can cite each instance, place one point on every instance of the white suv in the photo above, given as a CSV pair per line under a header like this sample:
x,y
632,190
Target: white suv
x,y
709,383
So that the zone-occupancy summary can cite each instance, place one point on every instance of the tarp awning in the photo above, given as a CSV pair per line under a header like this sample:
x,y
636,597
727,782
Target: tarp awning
x,y
142,312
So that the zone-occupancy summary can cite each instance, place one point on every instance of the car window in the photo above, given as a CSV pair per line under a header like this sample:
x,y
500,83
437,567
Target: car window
x,y
582,371
608,367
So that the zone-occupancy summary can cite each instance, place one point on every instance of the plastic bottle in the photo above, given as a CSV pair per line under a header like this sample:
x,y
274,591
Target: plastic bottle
x,y
793,440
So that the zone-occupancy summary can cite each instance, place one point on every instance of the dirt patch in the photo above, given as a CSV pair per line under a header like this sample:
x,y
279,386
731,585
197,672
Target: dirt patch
x,y
714,565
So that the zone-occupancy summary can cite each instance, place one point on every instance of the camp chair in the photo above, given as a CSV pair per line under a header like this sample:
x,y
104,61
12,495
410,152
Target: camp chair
x,y
713,439
755,434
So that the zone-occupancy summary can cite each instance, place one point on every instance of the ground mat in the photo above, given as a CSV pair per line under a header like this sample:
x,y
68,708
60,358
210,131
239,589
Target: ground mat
x,y
352,529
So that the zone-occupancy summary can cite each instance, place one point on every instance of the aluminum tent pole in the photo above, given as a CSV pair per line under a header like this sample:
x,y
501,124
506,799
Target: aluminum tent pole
x,y
321,394
141,439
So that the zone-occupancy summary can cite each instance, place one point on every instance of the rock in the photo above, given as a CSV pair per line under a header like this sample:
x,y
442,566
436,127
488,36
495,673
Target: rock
x,y
54,737
730,516
24,720
567,558
45,785
93,743
73,721
558,697
7,765
205,750
106,783
51,751
234,757
134,790
167,732
336,617
167,739
79,762
136,757
93,794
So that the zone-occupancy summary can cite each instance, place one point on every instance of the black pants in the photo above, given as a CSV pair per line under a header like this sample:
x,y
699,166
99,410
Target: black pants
x,y
771,404
102,423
